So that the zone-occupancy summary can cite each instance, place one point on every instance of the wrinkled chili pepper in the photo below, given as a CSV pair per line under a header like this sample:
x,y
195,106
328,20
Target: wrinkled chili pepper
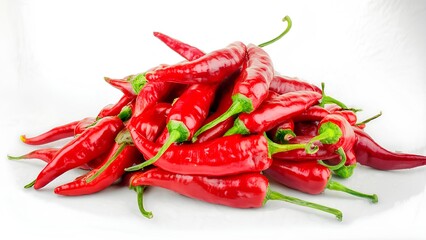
x,y
249,190
369,153
54,134
222,156
309,177
274,111
337,136
211,68
88,145
187,51
284,84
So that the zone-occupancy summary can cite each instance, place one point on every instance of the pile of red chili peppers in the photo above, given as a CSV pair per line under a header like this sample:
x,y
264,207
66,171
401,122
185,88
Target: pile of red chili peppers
x,y
216,127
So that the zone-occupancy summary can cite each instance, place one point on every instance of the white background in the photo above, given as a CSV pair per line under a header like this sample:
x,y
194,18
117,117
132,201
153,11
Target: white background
x,y
54,55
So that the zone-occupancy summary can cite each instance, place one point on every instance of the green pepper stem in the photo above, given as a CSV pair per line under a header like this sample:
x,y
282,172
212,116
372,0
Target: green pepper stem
x,y
106,165
235,108
342,162
272,195
276,148
284,135
173,137
139,190
369,119
30,185
16,157
289,23
336,186
328,135
238,128
345,171
125,114
138,82
327,99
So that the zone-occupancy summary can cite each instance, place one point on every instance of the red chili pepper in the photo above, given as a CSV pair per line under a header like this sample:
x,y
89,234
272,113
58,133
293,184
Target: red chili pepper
x,y
309,177
283,132
337,135
273,112
313,113
83,124
45,154
124,85
251,87
369,153
213,67
87,146
120,156
54,134
299,155
114,109
249,190
306,128
284,84
186,116
152,93
189,52
222,156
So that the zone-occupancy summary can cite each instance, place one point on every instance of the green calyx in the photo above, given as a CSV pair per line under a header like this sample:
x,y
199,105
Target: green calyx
x,y
124,137
345,171
138,82
336,186
329,133
238,128
240,104
178,132
284,135
125,113
272,195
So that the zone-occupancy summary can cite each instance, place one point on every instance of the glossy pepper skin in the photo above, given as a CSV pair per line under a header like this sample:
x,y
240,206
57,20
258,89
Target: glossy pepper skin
x,y
126,157
124,85
152,93
221,156
54,134
87,146
284,84
306,128
369,153
309,177
83,124
274,111
283,132
185,50
247,190
210,68
115,109
44,154
298,155
251,87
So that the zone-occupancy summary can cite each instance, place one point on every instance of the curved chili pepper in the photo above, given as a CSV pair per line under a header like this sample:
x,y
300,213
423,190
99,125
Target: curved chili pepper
x,y
114,109
369,153
54,134
87,146
189,52
273,112
221,156
124,85
313,113
337,135
309,177
249,190
251,87
284,84
184,118
83,124
211,68
45,154
152,93
120,156
283,132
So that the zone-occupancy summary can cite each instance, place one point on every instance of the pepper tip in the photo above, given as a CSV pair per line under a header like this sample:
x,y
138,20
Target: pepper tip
x,y
23,138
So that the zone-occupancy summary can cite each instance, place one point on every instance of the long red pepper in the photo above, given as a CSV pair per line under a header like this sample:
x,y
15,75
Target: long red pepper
x,y
301,155
87,146
273,112
114,109
309,177
187,51
54,134
211,68
222,156
249,190
284,84
124,85
119,157
369,153
83,124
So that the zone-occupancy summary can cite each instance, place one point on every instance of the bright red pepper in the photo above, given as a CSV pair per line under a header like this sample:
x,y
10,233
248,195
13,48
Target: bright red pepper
x,y
211,68
369,153
284,84
273,112
115,109
87,146
189,52
251,87
124,85
283,132
309,177
83,124
54,134
298,155
249,190
45,154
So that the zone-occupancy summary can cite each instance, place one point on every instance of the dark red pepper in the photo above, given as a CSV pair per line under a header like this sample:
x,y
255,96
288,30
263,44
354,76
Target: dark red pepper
x,y
249,190
273,112
309,177
211,68
54,134
369,153
306,128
